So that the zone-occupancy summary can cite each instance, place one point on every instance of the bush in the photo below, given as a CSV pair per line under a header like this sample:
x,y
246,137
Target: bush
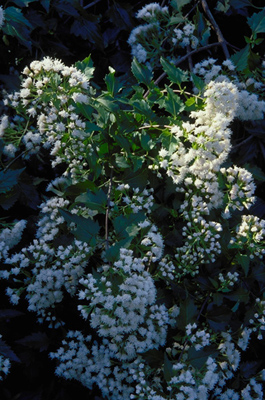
x,y
140,246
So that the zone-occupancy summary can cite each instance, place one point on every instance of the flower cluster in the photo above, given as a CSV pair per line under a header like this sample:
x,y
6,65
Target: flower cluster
x,y
120,278
227,281
10,236
55,121
257,323
47,270
147,41
2,17
250,236
123,307
185,37
4,366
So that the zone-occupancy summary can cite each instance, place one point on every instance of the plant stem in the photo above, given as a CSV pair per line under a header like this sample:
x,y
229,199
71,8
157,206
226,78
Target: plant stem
x,y
218,31
107,210
91,4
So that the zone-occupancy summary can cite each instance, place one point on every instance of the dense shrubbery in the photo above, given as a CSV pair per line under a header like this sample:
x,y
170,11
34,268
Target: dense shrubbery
x,y
132,230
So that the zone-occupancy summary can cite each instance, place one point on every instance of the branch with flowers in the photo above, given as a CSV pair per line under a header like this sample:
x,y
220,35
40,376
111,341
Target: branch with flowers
x,y
146,226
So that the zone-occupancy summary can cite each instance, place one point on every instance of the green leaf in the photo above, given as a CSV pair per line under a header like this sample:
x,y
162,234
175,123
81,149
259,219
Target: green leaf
x,y
141,72
198,82
94,201
122,161
198,358
46,5
240,59
257,22
120,15
113,84
88,30
142,107
176,19
188,313
240,294
38,340
113,252
86,229
243,261
127,225
86,66
9,178
22,3
173,103
6,351
168,368
174,73
136,179
146,141
13,14
238,4
179,4
108,103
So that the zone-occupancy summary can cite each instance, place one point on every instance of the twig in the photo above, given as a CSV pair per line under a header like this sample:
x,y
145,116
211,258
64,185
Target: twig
x,y
91,4
190,59
154,126
218,31
15,159
182,59
241,143
107,211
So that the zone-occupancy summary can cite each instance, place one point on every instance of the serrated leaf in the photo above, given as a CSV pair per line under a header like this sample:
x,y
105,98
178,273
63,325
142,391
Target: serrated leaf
x,y
113,252
173,103
257,22
6,351
141,72
127,225
38,340
120,16
174,73
108,103
14,14
198,82
142,107
9,178
240,59
86,229
86,66
88,30
122,161
94,201
198,358
179,4
113,83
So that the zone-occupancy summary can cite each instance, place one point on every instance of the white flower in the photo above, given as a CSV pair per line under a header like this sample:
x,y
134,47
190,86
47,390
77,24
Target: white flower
x,y
2,16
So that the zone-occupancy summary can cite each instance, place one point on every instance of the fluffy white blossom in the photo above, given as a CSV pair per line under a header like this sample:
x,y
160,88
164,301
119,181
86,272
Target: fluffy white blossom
x,y
2,16
4,362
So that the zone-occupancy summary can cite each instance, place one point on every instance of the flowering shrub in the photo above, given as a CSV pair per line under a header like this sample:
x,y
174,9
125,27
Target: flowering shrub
x,y
144,264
